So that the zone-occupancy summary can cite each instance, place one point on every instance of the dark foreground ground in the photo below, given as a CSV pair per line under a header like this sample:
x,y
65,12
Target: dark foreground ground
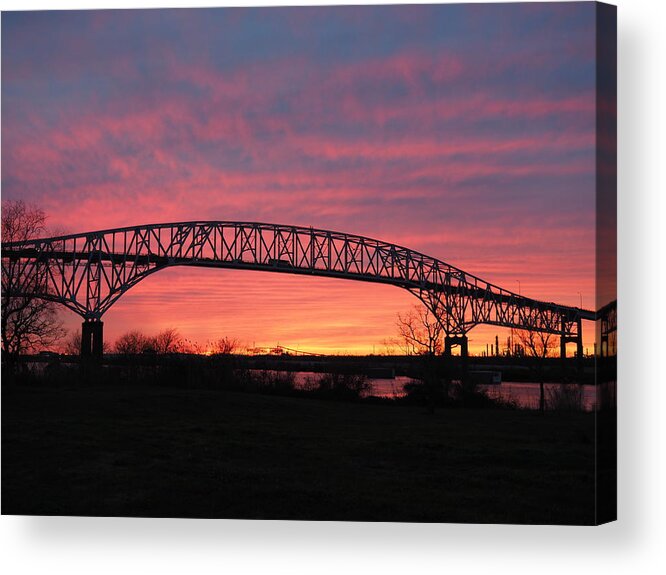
x,y
113,451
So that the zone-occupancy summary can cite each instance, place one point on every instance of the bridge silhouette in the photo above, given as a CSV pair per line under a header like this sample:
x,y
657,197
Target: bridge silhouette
x,y
88,272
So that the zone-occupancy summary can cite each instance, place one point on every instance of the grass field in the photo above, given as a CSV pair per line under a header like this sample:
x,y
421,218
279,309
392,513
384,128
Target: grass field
x,y
158,452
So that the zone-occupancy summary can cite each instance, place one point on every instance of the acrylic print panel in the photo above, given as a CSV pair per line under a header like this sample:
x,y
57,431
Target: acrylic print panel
x,y
318,263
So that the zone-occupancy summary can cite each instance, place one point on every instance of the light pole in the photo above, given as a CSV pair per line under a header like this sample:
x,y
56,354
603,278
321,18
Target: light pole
x,y
581,300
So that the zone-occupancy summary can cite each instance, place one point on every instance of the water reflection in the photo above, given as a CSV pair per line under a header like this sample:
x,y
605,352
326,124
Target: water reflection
x,y
524,394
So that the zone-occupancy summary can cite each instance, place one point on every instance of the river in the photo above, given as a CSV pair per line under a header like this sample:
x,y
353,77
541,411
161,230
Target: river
x,y
524,394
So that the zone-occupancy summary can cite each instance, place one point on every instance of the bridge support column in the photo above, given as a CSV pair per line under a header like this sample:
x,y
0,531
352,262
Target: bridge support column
x,y
563,341
576,338
451,340
579,344
92,342
563,347
464,368
447,346
461,340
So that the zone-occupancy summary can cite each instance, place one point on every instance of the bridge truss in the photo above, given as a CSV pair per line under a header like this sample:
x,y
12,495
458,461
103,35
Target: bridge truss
x,y
88,272
607,317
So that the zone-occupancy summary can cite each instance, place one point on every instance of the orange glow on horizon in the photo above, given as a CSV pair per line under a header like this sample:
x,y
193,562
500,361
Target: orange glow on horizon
x,y
266,310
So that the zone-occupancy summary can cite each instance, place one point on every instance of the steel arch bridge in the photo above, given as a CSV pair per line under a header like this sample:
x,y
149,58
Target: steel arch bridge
x,y
88,272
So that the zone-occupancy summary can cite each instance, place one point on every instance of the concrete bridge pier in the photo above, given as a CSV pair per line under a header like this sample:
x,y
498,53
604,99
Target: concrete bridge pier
x,y
579,344
92,339
461,340
576,338
452,340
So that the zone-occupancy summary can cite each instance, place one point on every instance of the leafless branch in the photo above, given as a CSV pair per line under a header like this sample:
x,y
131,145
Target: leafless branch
x,y
420,332
28,323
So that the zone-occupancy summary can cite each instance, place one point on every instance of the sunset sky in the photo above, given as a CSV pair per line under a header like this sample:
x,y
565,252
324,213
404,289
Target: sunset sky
x,y
463,131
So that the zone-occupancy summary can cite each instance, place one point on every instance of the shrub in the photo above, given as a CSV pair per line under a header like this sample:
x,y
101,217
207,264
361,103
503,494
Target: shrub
x,y
565,397
462,395
339,385
279,382
418,391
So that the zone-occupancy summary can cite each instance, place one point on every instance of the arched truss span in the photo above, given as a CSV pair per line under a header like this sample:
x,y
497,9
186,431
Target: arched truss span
x,y
88,272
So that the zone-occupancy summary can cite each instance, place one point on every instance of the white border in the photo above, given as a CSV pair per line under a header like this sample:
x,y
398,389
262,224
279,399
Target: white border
x,y
633,544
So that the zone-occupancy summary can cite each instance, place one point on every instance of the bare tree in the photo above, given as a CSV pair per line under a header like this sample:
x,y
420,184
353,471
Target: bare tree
x,y
167,341
389,345
73,344
224,346
28,323
192,347
538,345
133,342
420,332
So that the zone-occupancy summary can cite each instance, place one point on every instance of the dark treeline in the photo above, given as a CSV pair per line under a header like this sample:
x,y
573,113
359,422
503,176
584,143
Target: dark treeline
x,y
218,371
233,373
